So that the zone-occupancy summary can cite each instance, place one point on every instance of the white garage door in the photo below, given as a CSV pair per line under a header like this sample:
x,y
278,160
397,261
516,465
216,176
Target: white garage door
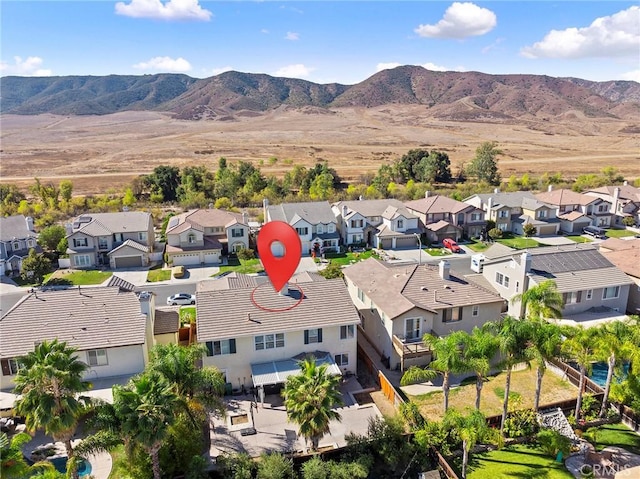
x,y
186,259
211,258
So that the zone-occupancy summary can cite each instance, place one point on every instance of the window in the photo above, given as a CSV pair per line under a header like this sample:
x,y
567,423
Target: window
x,y
319,229
375,219
356,223
502,279
269,341
82,260
103,243
503,214
191,238
502,226
475,310
517,286
361,295
237,233
542,214
476,216
97,357
572,297
31,243
348,331
342,359
506,282
331,228
589,294
603,208
118,237
356,238
312,336
16,245
78,242
302,231
400,224
611,292
10,367
218,348
450,315
142,236
412,328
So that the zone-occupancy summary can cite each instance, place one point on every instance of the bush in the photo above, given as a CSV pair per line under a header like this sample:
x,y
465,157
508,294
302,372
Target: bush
x,y
521,423
553,442
333,270
589,408
628,221
246,254
495,233
529,230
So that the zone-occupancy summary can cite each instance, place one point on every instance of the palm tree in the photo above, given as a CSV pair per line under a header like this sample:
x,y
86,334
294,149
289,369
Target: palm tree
x,y
513,340
612,345
479,349
541,301
49,382
471,429
544,345
448,360
310,397
580,346
177,364
13,464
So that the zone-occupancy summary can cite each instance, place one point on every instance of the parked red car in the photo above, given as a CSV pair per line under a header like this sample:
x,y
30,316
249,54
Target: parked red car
x,y
451,245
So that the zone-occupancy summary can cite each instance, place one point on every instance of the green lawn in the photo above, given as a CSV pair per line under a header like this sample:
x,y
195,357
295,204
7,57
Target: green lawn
x,y
478,246
613,435
524,461
518,242
344,259
437,251
82,278
579,239
156,275
619,233
248,266
187,314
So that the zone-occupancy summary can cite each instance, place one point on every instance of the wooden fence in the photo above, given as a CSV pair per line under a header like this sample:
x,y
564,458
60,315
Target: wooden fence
x,y
390,392
574,377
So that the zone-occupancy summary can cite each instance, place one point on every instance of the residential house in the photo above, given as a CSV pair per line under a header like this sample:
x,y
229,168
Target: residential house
x,y
398,305
625,254
593,288
205,235
17,237
511,211
256,336
111,329
314,222
384,224
624,200
114,240
445,217
577,210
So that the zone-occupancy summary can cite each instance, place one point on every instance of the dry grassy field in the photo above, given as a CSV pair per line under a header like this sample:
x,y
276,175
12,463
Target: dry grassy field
x,y
102,152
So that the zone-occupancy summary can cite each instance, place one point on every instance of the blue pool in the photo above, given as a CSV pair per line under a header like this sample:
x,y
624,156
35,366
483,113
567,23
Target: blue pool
x,y
599,373
60,463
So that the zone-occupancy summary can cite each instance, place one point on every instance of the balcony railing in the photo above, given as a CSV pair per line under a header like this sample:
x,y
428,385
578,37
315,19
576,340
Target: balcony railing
x,y
410,348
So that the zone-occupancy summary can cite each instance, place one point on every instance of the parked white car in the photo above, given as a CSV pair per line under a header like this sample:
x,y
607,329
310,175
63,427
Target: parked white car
x,y
181,299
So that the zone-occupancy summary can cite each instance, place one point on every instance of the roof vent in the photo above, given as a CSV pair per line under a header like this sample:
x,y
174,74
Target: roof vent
x,y
447,286
424,288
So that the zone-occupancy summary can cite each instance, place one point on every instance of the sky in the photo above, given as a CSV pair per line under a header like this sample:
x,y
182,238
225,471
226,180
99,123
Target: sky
x,y
320,41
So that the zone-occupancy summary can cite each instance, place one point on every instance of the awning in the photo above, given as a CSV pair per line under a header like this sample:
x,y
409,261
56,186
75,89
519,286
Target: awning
x,y
277,372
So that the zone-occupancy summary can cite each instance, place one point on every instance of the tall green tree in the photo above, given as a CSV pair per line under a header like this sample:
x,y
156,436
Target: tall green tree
x,y
66,190
471,429
544,345
447,353
310,398
13,464
479,348
49,382
50,237
513,338
541,301
580,346
484,165
35,266
434,167
164,180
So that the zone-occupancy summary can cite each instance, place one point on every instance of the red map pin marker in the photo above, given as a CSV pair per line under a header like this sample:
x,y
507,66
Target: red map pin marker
x,y
278,269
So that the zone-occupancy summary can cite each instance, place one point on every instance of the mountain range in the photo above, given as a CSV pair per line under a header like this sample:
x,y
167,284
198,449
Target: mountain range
x,y
458,96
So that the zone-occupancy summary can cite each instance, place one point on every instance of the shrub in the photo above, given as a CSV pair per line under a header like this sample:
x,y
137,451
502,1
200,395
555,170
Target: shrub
x,y
333,270
521,423
529,230
589,408
628,221
495,233
246,254
411,414
553,442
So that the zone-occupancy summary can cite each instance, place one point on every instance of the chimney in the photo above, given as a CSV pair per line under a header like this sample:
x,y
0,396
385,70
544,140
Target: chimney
x,y
265,206
285,290
616,194
489,205
68,228
625,183
444,267
427,194
360,198
496,190
526,261
29,221
345,210
147,302
245,218
550,188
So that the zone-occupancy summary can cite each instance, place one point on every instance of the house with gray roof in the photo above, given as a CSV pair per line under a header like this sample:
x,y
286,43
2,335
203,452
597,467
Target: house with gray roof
x,y
592,287
114,240
445,217
624,200
17,237
625,254
111,328
314,222
577,210
399,304
254,334
512,211
203,236
386,224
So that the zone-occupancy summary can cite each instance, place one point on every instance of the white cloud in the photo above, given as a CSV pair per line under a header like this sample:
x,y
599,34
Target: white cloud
x,y
164,64
217,71
459,21
632,75
170,10
613,36
292,36
493,46
265,31
387,66
435,68
294,71
26,68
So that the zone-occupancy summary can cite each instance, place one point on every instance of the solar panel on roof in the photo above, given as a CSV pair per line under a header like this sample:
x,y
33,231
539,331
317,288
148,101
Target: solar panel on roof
x,y
173,222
